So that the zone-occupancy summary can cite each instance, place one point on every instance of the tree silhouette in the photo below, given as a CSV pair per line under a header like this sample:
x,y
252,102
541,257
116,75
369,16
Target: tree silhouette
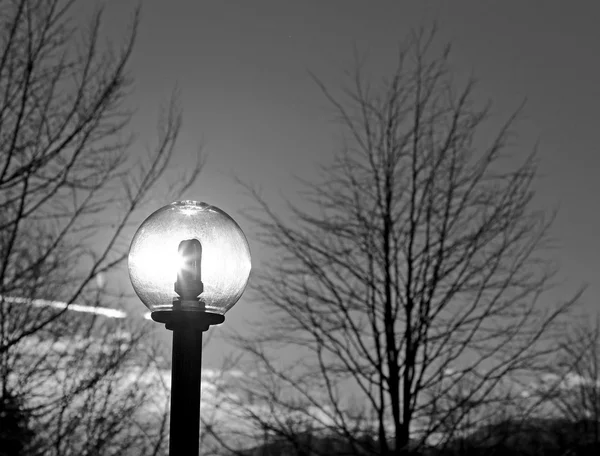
x,y
71,185
15,432
417,252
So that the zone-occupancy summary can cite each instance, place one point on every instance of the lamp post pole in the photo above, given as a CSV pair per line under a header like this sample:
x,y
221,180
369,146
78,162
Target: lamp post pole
x,y
185,391
187,327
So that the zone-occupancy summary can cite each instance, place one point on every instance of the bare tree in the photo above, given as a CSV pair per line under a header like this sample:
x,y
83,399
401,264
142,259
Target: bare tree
x,y
417,252
70,188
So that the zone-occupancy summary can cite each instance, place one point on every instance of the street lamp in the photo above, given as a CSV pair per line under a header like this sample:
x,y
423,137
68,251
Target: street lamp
x,y
189,263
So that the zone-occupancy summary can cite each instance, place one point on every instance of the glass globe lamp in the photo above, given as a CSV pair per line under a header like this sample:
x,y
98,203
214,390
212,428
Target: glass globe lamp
x,y
190,257
189,263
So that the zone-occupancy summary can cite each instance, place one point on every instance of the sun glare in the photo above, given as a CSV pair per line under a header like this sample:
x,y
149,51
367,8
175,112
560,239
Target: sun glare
x,y
162,263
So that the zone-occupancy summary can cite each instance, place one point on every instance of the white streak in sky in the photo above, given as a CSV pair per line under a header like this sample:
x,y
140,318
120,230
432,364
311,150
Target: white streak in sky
x,y
102,311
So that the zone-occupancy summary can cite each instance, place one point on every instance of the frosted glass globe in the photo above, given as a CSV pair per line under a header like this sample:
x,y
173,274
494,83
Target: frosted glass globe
x,y
154,260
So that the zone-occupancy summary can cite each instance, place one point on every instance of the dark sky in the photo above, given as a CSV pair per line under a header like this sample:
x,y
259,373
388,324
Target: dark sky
x,y
242,69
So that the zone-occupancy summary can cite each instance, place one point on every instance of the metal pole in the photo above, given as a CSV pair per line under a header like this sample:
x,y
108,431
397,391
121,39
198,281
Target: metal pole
x,y
185,391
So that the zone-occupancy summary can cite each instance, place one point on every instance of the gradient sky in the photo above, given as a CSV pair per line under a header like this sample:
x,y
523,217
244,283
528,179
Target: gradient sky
x,y
242,69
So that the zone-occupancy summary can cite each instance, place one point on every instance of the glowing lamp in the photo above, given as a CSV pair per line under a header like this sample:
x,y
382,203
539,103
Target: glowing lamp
x,y
189,263
183,240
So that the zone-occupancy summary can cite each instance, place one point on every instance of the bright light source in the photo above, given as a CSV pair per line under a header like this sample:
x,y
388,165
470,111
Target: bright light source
x,y
154,260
